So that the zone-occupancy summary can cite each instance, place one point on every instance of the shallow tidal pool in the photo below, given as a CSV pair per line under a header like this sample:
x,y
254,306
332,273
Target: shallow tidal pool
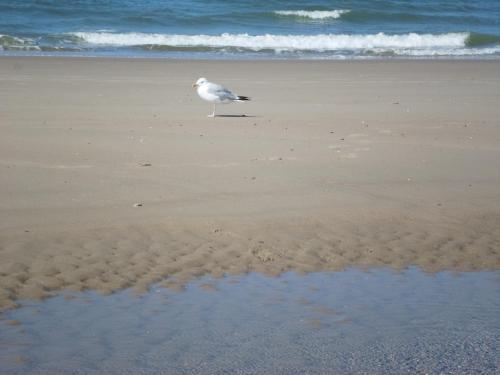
x,y
373,322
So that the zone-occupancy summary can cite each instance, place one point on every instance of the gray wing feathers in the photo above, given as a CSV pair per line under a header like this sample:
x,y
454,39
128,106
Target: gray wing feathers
x,y
221,92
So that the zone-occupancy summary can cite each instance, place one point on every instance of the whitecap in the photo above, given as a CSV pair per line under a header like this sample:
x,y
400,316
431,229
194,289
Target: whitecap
x,y
313,14
320,42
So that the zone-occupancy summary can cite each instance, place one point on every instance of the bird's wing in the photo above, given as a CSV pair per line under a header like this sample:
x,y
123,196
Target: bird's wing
x,y
221,92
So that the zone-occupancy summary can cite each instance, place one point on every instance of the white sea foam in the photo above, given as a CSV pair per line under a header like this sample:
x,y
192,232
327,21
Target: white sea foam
x,y
321,42
313,14
443,52
449,44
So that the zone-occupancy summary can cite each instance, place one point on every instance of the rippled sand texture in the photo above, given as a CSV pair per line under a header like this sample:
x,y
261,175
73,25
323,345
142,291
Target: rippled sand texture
x,y
111,176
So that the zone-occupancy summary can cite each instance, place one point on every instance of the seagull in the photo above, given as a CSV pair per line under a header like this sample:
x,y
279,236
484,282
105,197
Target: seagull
x,y
216,94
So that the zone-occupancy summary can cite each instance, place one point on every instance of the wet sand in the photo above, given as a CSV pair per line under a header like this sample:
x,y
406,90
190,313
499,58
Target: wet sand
x,y
111,176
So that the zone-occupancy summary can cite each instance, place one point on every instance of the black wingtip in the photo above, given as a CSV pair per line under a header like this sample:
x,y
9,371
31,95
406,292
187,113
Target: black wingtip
x,y
244,98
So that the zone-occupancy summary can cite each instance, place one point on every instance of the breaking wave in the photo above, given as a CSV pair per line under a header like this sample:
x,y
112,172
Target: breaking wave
x,y
380,44
313,14
321,42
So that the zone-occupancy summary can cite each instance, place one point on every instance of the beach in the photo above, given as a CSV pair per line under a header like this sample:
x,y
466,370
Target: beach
x,y
112,176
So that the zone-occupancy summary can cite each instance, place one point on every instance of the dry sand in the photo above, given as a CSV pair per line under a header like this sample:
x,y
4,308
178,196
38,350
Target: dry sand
x,y
111,176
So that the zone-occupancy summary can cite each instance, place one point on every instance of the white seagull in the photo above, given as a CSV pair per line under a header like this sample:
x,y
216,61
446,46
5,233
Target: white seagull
x,y
216,94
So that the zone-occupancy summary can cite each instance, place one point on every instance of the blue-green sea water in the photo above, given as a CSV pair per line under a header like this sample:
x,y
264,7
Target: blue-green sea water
x,y
242,29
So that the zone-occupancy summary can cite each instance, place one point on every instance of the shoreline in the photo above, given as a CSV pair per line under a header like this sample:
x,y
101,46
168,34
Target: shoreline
x,y
346,59
379,163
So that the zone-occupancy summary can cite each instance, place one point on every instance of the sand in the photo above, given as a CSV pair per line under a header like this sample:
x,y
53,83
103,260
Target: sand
x,y
112,176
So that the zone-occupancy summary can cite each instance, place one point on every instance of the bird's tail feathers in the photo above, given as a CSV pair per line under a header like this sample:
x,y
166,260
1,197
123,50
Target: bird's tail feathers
x,y
243,98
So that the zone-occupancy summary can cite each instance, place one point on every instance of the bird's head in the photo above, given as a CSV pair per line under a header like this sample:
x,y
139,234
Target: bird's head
x,y
200,82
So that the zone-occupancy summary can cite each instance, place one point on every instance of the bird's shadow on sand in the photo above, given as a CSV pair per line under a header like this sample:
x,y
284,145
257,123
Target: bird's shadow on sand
x,y
242,116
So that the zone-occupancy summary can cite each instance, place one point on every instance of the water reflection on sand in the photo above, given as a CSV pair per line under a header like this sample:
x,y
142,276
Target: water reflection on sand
x,y
346,322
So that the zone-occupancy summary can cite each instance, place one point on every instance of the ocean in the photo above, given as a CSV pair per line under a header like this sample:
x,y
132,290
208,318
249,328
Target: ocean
x,y
252,29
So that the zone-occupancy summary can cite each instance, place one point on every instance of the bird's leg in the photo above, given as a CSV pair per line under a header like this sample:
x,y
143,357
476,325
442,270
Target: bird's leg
x,y
213,114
